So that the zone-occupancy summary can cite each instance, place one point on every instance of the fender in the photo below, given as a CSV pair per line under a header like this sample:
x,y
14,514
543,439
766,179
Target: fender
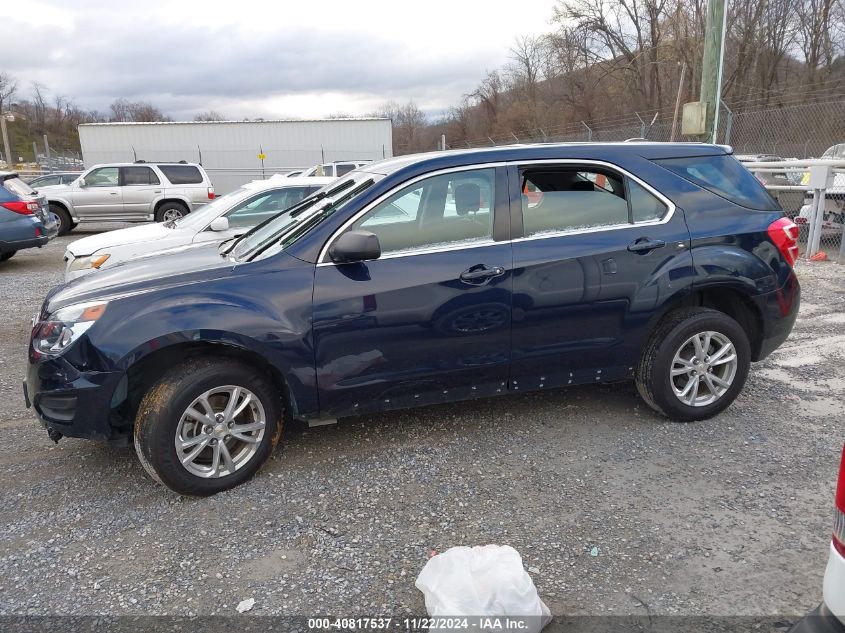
x,y
65,201
751,272
180,197
223,311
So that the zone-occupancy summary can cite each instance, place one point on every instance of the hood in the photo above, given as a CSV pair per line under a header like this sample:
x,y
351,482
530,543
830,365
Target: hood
x,y
197,262
120,237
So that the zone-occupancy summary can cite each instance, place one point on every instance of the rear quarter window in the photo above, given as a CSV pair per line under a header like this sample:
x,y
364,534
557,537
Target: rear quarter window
x,y
181,174
725,176
18,187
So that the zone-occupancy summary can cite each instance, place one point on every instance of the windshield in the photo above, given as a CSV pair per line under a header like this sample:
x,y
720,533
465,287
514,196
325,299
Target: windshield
x,y
290,225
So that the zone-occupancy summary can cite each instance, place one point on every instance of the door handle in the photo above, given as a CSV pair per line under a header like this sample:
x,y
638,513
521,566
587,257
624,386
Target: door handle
x,y
113,193
645,244
481,274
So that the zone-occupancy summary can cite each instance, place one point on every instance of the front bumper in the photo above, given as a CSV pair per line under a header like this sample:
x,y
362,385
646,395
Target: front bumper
x,y
75,403
778,309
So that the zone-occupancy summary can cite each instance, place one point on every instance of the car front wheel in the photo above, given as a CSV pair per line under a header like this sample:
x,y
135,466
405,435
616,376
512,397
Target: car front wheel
x,y
694,365
207,426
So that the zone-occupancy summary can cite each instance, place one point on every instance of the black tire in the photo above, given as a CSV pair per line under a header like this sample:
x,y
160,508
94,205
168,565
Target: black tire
x,y
164,404
653,375
173,207
66,225
7,255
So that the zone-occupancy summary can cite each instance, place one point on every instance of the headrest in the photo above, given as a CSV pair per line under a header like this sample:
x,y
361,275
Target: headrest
x,y
583,185
467,198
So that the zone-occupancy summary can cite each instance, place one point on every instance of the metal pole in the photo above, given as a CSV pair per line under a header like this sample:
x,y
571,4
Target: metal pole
x,y
589,132
729,124
34,152
443,142
817,223
842,246
814,207
711,71
47,153
678,101
5,133
642,125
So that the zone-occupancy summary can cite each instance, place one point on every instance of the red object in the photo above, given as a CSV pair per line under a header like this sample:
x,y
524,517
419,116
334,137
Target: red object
x,y
839,521
37,231
211,193
24,208
821,256
784,234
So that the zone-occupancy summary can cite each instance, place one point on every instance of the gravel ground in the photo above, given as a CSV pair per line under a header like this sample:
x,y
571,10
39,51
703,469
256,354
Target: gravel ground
x,y
726,517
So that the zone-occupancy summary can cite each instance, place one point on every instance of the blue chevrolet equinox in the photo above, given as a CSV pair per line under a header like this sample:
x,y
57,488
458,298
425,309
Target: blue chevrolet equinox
x,y
425,279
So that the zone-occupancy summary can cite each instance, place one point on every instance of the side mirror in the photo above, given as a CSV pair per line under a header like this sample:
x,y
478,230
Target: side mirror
x,y
219,224
81,182
355,246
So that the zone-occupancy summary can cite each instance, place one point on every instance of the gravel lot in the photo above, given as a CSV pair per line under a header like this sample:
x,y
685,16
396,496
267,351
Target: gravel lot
x,y
726,517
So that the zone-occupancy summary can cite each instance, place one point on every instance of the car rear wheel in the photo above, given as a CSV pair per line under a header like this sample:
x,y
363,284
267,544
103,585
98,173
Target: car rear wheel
x,y
695,364
66,225
7,255
207,426
171,211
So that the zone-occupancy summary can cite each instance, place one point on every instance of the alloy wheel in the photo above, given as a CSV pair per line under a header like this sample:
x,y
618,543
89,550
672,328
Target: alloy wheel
x,y
220,431
703,368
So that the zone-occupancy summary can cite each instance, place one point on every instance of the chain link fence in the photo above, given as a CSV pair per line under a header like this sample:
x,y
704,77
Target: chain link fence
x,y
790,132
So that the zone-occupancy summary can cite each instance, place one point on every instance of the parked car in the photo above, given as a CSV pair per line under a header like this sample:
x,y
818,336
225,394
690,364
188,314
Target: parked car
x,y
25,221
335,169
668,264
224,218
833,216
829,616
56,178
130,192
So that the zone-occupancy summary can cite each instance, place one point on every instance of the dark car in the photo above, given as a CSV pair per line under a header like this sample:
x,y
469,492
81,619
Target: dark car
x,y
426,279
56,178
25,221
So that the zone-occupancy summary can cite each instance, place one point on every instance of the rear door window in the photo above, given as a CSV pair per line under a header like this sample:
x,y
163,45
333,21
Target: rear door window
x,y
139,176
344,169
181,174
725,176
563,200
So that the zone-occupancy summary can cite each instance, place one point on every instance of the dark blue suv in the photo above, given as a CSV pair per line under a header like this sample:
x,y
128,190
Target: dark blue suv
x,y
426,279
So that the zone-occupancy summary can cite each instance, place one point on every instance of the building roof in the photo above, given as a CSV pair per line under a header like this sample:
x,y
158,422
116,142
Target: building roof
x,y
142,123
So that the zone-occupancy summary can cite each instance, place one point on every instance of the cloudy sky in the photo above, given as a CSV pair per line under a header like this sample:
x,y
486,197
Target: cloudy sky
x,y
262,59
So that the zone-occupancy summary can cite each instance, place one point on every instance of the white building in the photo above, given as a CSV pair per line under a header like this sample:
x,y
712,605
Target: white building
x,y
231,150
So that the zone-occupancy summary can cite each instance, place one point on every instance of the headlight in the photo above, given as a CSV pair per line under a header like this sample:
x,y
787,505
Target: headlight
x,y
92,261
61,329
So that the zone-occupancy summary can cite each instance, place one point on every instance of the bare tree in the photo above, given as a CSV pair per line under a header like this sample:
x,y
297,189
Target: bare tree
x,y
209,115
8,88
139,111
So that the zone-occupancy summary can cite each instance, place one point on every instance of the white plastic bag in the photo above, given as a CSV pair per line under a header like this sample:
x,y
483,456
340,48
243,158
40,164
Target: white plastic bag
x,y
484,580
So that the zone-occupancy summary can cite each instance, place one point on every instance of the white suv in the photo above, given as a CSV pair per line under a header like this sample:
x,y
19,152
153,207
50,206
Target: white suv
x,y
130,192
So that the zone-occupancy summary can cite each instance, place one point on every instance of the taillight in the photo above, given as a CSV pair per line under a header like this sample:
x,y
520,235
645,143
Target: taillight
x,y
839,512
784,234
211,193
24,208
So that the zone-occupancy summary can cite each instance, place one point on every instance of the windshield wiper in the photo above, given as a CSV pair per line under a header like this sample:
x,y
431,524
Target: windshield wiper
x,y
294,211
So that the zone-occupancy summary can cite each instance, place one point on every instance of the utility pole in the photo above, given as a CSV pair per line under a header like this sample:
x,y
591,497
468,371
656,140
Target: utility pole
x,y
5,133
711,67
678,101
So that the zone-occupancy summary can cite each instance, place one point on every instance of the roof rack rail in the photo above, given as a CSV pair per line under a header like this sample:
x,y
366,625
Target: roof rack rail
x,y
172,162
